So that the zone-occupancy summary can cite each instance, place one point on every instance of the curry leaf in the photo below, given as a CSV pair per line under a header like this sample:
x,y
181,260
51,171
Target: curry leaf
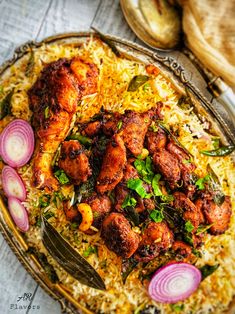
x,y
61,176
207,270
136,82
5,105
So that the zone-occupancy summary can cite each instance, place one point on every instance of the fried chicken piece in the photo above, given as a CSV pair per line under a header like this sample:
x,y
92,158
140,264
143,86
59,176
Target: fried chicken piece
x,y
183,252
156,140
121,190
113,164
53,100
74,161
157,238
190,211
134,128
183,158
110,123
86,74
168,166
92,128
219,216
118,236
101,206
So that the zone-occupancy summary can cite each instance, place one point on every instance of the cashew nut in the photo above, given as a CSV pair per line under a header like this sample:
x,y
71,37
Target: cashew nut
x,y
87,216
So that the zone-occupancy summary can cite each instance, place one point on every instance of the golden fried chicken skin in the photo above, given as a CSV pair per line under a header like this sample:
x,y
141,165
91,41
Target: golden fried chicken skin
x,y
218,216
157,238
168,166
101,207
134,128
118,236
113,164
74,161
53,99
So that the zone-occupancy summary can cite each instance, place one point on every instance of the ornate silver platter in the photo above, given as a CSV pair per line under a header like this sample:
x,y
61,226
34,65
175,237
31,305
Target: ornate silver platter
x,y
219,121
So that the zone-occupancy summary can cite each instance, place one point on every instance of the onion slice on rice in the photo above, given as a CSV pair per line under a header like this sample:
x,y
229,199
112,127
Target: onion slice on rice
x,y
12,184
18,213
174,282
17,143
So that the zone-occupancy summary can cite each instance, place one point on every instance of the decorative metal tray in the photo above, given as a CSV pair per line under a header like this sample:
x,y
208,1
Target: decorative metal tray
x,y
171,69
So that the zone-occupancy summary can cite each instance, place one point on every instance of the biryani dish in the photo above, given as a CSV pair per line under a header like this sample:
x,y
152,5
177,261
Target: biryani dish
x,y
123,167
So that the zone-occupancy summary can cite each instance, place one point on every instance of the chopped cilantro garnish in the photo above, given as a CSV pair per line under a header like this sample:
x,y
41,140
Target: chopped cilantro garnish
x,y
61,176
200,183
167,198
153,127
90,250
119,124
137,186
47,112
145,169
156,215
177,307
155,184
188,226
44,201
74,226
129,201
187,161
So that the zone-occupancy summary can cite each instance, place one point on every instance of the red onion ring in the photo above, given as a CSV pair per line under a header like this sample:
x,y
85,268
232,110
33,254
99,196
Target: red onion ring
x,y
18,214
17,143
12,184
174,282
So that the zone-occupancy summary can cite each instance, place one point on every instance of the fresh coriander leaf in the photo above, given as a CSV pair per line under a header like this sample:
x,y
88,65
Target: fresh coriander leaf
x,y
153,127
74,226
137,186
44,201
47,112
187,161
155,184
167,198
129,201
177,307
61,176
90,250
119,124
156,215
188,226
207,270
149,165
200,183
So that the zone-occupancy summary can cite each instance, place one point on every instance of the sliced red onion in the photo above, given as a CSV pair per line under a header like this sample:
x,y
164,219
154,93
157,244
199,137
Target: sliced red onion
x,y
12,184
18,214
17,143
174,282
